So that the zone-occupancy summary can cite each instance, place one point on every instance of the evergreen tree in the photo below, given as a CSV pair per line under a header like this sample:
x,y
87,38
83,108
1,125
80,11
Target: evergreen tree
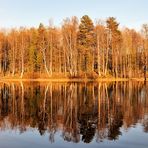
x,y
32,51
114,36
86,44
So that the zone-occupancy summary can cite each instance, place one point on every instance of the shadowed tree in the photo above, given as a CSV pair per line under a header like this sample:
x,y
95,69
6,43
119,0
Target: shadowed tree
x,y
86,45
114,45
42,44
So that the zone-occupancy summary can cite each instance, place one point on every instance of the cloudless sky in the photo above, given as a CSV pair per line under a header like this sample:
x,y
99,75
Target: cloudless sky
x,y
16,13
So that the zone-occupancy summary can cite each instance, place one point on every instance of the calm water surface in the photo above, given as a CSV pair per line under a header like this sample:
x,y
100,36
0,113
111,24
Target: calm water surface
x,y
68,115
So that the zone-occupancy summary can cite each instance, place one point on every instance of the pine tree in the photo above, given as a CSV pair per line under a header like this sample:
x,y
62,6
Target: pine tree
x,y
86,44
32,52
115,41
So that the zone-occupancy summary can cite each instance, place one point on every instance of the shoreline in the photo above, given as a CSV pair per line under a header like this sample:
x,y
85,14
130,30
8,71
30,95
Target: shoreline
x,y
70,80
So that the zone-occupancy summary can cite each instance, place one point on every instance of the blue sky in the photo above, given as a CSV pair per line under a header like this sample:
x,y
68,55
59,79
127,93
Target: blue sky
x,y
15,13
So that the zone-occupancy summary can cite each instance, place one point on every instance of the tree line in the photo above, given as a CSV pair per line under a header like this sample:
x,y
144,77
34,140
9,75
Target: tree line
x,y
74,50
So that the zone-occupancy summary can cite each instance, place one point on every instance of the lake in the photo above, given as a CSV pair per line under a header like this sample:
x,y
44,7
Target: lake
x,y
67,115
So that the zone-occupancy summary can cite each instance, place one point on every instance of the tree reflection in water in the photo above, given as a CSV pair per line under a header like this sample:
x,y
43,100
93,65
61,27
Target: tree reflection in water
x,y
82,111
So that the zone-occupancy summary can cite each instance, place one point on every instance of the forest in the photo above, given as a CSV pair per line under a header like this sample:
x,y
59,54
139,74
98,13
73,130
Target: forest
x,y
76,49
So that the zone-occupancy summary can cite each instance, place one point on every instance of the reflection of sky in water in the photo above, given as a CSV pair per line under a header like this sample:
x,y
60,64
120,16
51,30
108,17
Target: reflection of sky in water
x,y
133,137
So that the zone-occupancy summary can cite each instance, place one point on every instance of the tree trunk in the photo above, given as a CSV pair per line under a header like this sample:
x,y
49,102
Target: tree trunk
x,y
45,63
22,61
98,48
51,49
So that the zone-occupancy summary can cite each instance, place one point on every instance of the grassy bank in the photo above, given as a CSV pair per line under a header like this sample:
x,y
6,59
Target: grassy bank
x,y
72,79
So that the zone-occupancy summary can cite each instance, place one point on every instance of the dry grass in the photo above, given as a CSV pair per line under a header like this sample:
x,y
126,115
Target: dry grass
x,y
10,79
